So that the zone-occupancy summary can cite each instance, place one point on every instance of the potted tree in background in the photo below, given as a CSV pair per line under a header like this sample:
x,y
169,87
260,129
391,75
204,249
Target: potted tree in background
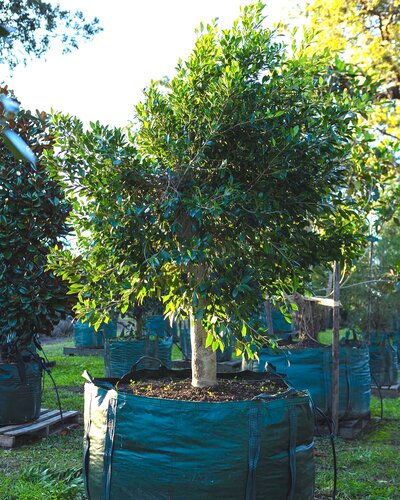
x,y
228,190
144,332
33,213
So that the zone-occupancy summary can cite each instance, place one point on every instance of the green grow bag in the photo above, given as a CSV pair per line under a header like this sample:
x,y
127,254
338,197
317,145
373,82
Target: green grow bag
x,y
383,360
120,355
20,392
282,329
186,348
109,329
86,336
149,448
280,325
157,325
311,368
396,343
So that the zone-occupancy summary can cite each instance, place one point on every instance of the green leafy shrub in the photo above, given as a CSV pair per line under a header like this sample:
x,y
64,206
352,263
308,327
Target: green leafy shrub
x,y
33,213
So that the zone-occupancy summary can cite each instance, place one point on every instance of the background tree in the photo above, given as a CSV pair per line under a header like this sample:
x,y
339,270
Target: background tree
x,y
367,32
232,187
371,295
33,26
33,213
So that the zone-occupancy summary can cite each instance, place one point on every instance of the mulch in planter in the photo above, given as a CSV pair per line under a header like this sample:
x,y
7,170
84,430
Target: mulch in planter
x,y
226,390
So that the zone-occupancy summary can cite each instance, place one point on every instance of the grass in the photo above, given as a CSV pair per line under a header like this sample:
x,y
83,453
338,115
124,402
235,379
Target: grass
x,y
368,467
325,337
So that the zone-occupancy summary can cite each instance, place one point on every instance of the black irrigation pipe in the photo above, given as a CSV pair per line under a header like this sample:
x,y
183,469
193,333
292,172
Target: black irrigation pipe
x,y
44,363
379,393
331,428
48,371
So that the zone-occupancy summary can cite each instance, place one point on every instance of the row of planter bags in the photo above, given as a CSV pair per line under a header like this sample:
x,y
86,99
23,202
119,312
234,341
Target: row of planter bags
x,y
270,452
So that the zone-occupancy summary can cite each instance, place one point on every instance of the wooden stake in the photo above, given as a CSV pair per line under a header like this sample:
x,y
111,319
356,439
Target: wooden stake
x,y
268,314
370,277
335,347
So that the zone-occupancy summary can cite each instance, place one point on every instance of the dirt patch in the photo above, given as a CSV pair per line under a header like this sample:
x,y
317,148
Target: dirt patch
x,y
226,390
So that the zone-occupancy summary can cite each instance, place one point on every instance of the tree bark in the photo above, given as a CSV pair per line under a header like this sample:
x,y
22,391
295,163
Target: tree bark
x,y
204,360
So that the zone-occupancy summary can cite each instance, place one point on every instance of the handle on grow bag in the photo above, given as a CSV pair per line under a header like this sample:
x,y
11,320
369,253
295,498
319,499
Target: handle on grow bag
x,y
162,369
161,364
271,368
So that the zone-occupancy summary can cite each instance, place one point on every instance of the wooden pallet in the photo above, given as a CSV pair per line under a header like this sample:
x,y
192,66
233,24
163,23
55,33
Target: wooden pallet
x,y
392,391
223,367
49,422
83,351
348,429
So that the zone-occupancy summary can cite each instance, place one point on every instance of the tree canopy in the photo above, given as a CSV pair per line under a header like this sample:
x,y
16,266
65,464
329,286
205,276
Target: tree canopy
x,y
234,183
33,26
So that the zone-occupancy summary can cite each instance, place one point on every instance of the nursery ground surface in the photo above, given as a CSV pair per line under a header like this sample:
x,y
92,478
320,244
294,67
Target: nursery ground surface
x,y
368,467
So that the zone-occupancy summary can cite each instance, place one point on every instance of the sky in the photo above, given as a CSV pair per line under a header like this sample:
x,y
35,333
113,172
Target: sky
x,y
141,40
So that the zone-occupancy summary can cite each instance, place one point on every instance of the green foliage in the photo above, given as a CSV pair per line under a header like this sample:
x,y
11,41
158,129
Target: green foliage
x,y
29,28
33,213
240,176
66,484
8,107
368,35
371,295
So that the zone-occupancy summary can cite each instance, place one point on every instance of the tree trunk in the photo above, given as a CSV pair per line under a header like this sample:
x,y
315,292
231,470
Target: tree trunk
x,y
204,360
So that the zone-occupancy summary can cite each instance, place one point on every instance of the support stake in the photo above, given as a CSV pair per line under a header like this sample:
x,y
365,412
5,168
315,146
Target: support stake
x,y
268,315
335,347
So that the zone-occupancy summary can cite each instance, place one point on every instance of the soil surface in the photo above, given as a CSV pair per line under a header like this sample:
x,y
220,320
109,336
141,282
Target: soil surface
x,y
226,390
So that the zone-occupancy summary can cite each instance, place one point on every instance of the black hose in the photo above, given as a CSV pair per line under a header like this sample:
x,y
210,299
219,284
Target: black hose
x,y
48,371
331,428
379,393
44,364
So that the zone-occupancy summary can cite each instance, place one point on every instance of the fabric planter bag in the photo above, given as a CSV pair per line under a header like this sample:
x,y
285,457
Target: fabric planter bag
x,y
160,327
145,448
86,336
20,392
282,329
281,326
186,347
383,359
120,355
109,329
396,337
311,368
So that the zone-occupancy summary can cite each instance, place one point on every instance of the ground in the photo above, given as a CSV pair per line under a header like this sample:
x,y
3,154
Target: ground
x,y
368,467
